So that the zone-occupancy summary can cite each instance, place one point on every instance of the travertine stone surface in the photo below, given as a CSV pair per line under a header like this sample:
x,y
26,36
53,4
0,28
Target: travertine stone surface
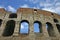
x,y
31,16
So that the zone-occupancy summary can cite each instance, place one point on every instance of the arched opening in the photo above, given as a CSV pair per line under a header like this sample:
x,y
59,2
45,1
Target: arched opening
x,y
58,27
55,20
50,30
24,28
37,27
9,28
13,15
0,22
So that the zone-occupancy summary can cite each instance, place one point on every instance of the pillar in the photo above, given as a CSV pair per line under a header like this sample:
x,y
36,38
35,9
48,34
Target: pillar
x,y
31,32
16,30
45,32
2,27
56,30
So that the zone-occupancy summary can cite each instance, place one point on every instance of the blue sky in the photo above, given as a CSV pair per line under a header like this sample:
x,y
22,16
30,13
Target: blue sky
x,y
25,27
36,27
49,5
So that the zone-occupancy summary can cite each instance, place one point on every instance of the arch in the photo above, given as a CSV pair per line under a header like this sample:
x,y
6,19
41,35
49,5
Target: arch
x,y
9,28
58,27
37,27
55,20
50,29
24,28
0,22
13,15
24,21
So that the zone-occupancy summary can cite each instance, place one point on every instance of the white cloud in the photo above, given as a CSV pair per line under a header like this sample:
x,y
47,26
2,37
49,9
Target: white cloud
x,y
1,7
22,27
46,4
48,9
53,7
57,9
57,4
24,6
36,7
10,8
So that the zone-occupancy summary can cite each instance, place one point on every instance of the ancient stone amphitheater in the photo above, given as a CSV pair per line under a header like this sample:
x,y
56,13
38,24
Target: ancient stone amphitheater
x,y
10,24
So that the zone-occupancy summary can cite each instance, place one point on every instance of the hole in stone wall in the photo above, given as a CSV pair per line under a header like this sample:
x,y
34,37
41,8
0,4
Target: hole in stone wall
x,y
52,14
24,29
0,22
55,20
9,28
13,15
50,30
35,10
58,27
37,27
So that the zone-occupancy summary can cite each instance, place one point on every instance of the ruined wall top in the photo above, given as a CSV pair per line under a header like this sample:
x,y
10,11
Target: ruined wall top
x,y
30,10
2,10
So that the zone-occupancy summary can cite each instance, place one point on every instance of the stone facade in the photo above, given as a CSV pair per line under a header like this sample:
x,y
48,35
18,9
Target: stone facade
x,y
30,15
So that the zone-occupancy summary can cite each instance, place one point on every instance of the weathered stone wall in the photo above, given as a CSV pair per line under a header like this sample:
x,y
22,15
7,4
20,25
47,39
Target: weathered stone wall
x,y
30,15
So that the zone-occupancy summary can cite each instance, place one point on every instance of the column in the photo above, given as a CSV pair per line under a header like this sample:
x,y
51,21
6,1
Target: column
x,y
56,30
2,27
7,16
45,32
16,30
31,32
